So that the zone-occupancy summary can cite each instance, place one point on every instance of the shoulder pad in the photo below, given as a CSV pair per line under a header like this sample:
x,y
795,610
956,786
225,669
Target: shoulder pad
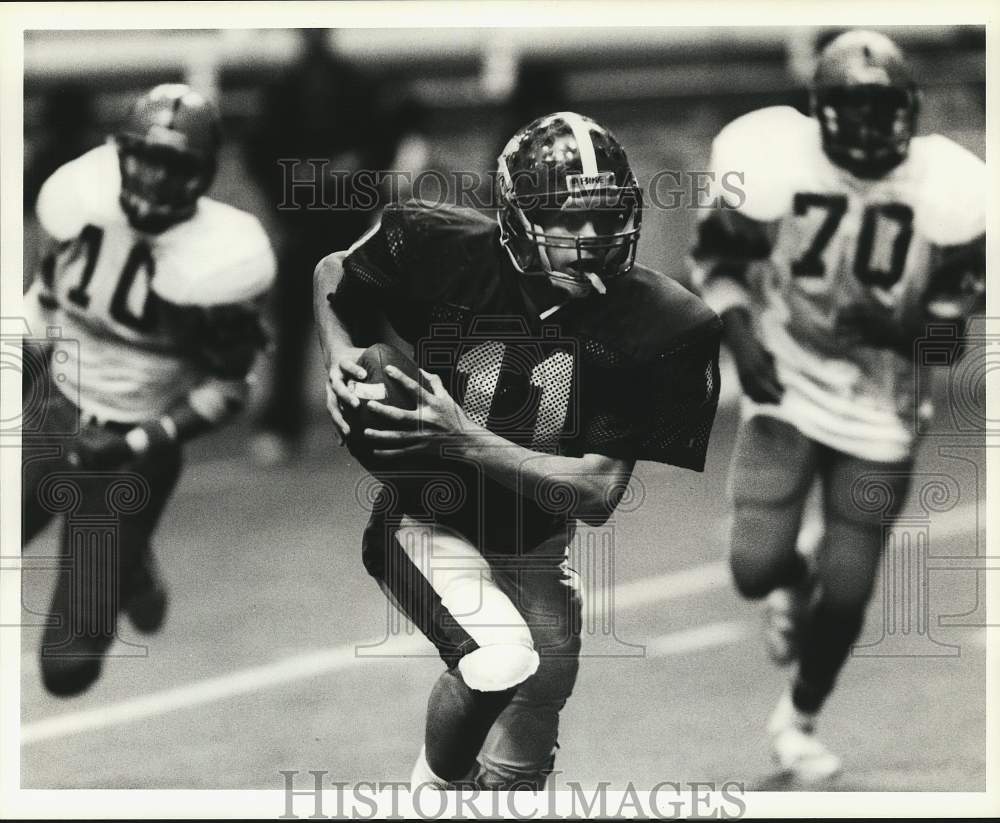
x,y
221,255
755,158
650,313
951,208
83,191
419,215
450,251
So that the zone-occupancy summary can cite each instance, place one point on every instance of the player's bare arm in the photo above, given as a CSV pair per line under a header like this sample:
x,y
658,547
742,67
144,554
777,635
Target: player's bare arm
x,y
728,243
754,363
340,354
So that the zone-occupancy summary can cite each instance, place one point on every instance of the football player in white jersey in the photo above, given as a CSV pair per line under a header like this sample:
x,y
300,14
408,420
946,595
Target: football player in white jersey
x,y
153,291
846,237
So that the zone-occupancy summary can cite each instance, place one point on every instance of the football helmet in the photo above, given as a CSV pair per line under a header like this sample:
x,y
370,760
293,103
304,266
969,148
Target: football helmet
x,y
167,154
866,102
556,177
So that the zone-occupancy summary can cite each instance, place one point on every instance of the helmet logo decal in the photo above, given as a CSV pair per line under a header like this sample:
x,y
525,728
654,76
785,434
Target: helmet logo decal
x,y
589,182
875,75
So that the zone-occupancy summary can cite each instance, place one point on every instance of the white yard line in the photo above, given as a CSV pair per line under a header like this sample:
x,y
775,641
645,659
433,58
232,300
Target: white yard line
x,y
310,664
709,636
656,589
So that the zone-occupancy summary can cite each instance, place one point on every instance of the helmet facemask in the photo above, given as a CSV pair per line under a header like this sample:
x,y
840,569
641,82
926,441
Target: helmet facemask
x,y
160,184
866,128
599,225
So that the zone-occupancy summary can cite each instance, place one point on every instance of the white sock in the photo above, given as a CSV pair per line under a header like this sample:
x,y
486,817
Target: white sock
x,y
422,773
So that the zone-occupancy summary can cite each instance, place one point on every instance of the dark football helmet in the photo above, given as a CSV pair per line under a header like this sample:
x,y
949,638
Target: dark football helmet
x,y
866,102
167,153
556,176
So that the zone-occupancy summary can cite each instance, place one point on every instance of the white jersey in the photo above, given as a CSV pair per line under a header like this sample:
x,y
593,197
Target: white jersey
x,y
117,360
838,242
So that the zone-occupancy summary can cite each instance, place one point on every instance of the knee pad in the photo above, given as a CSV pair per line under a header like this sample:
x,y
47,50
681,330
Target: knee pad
x,y
506,655
499,667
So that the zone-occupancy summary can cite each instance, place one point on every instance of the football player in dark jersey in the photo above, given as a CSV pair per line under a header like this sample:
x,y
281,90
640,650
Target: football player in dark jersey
x,y
554,363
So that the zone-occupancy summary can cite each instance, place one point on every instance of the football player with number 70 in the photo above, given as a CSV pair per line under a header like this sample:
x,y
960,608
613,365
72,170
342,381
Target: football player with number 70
x,y
848,236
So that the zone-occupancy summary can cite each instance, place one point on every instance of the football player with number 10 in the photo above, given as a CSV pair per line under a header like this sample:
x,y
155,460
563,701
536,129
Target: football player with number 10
x,y
155,289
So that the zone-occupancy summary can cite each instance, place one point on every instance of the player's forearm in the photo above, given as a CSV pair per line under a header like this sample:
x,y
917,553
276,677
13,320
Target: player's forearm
x,y
347,315
206,407
334,334
597,481
737,326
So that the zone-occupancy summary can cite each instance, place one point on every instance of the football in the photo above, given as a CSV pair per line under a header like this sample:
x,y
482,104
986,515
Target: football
x,y
378,386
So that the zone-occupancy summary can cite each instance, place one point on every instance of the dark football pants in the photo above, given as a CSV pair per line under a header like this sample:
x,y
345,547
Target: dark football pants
x,y
773,469
519,738
108,520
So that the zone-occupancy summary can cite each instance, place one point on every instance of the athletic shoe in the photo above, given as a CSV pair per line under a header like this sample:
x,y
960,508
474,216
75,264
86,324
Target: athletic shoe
x,y
796,749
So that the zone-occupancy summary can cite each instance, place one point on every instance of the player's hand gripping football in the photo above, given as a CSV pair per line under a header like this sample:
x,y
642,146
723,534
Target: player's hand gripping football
x,y
436,418
343,368
754,363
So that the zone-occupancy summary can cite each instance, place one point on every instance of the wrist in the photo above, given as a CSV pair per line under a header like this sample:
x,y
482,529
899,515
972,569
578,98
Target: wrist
x,y
475,440
138,440
148,435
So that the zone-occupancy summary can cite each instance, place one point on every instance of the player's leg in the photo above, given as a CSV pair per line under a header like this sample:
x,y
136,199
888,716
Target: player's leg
x,y
458,721
847,566
100,577
519,751
43,455
772,471
143,591
443,584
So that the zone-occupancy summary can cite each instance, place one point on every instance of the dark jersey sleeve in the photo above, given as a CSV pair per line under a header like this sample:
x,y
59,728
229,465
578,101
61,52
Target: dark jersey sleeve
x,y
378,272
421,256
378,260
661,410
223,340
727,243
956,284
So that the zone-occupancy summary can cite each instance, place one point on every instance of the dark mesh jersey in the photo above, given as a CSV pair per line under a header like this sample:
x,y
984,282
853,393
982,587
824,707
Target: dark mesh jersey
x,y
630,374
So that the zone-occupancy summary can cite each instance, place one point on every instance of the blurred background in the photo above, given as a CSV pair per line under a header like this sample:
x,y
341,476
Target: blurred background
x,y
445,101
664,92
264,564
